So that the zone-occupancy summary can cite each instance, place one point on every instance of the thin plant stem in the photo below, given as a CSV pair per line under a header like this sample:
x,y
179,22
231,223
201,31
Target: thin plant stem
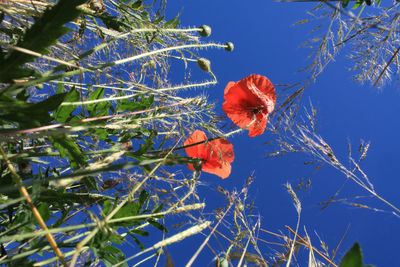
x,y
31,2
173,239
196,254
106,65
80,226
315,250
338,245
146,259
244,252
52,126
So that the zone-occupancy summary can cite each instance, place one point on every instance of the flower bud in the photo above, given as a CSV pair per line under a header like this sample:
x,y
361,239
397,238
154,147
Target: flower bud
x,y
229,46
240,207
222,262
204,64
198,164
205,31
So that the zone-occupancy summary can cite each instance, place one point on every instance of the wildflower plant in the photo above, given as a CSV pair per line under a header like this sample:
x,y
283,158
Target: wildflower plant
x,y
89,120
93,135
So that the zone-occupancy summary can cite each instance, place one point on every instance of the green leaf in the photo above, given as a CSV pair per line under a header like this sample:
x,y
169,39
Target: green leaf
x,y
44,211
146,146
23,95
142,198
90,182
345,3
157,225
107,207
133,104
97,94
116,239
29,115
111,249
111,22
139,232
170,22
175,24
130,209
158,209
67,148
112,255
63,113
137,241
137,4
158,20
353,258
100,109
357,4
102,134
49,104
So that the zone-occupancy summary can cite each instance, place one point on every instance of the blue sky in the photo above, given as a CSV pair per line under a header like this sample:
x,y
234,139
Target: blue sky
x,y
266,43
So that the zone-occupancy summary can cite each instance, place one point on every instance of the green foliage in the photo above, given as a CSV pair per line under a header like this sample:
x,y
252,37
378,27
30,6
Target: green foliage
x,y
63,113
353,258
45,32
68,148
90,128
358,3
27,115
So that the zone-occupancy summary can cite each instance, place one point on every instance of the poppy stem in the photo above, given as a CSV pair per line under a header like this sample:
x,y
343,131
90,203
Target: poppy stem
x,y
204,141
201,142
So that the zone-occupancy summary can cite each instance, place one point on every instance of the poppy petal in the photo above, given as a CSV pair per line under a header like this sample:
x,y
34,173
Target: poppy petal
x,y
224,150
228,87
222,171
240,95
258,127
200,151
263,89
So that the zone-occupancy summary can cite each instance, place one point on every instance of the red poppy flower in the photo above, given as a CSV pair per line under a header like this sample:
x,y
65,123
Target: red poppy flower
x,y
251,97
216,155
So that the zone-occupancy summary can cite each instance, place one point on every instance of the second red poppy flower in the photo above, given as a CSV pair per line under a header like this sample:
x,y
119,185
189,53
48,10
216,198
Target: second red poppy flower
x,y
216,155
249,101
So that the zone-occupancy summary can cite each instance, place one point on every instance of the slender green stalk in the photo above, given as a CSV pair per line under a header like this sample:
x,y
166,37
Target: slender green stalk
x,y
67,254
298,209
145,259
52,126
173,239
106,65
196,254
20,237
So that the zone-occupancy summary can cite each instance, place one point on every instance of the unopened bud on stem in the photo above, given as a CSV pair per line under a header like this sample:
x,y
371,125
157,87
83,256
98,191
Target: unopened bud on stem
x,y
229,46
204,64
205,31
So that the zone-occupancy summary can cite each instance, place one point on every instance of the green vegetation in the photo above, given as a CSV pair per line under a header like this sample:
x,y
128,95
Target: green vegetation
x,y
92,132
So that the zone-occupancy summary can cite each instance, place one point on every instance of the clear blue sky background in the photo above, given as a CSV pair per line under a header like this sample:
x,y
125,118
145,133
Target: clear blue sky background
x,y
266,43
